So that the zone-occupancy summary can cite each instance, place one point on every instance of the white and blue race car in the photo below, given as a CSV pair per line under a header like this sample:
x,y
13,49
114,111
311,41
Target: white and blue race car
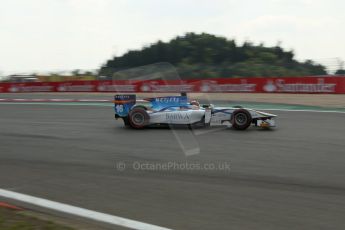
x,y
177,110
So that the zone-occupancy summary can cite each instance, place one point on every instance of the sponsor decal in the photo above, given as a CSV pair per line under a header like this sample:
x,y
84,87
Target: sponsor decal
x,y
167,99
280,86
213,86
43,88
172,88
13,89
145,88
270,86
116,88
177,116
156,87
317,84
124,97
71,88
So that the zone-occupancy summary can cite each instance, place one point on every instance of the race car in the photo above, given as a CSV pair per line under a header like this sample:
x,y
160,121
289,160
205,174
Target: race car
x,y
177,110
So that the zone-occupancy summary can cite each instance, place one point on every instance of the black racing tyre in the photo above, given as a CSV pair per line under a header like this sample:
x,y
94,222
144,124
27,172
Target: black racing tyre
x,y
138,118
241,119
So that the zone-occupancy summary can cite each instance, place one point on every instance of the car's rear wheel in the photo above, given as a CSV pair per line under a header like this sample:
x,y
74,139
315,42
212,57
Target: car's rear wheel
x,y
241,119
138,118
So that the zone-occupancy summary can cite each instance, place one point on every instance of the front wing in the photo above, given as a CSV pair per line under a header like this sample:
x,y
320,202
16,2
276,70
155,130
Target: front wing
x,y
222,116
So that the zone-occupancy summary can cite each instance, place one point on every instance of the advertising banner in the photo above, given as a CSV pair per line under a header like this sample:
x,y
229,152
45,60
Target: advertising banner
x,y
322,84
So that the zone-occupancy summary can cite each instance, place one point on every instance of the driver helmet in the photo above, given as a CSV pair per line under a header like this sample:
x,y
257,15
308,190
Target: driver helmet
x,y
195,103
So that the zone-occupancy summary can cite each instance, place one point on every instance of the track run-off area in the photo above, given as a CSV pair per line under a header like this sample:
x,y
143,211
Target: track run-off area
x,y
75,153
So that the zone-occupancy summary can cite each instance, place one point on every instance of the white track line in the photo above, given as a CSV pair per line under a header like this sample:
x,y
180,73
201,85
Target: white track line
x,y
89,214
305,110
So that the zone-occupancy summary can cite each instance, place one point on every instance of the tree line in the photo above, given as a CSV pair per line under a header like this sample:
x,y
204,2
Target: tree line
x,y
209,56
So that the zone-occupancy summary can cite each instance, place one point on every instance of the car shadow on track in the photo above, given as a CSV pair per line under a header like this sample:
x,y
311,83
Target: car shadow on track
x,y
196,129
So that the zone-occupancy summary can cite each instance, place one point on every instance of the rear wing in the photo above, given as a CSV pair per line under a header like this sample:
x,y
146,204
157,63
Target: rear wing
x,y
123,103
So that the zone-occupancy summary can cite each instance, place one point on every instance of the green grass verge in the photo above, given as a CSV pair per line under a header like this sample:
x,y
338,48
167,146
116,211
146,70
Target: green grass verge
x,y
15,220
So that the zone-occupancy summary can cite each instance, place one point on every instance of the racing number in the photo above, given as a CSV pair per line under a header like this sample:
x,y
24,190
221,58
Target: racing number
x,y
119,108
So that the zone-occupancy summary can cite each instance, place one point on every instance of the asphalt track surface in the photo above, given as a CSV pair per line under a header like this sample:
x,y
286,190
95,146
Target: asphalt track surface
x,y
292,177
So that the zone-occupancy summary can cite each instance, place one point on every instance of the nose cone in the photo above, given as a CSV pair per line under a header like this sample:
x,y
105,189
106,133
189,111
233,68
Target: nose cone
x,y
263,114
267,114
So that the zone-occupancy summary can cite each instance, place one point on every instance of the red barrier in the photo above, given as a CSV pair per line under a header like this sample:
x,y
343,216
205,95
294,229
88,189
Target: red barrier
x,y
324,84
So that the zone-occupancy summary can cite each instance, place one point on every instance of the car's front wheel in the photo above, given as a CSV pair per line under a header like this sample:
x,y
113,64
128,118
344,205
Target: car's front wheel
x,y
241,119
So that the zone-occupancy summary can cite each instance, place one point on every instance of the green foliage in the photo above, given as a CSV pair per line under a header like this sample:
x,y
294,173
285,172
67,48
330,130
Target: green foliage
x,y
340,71
209,56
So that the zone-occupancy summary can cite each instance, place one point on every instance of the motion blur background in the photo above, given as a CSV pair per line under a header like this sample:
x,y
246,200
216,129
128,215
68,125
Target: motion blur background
x,y
62,61
50,40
